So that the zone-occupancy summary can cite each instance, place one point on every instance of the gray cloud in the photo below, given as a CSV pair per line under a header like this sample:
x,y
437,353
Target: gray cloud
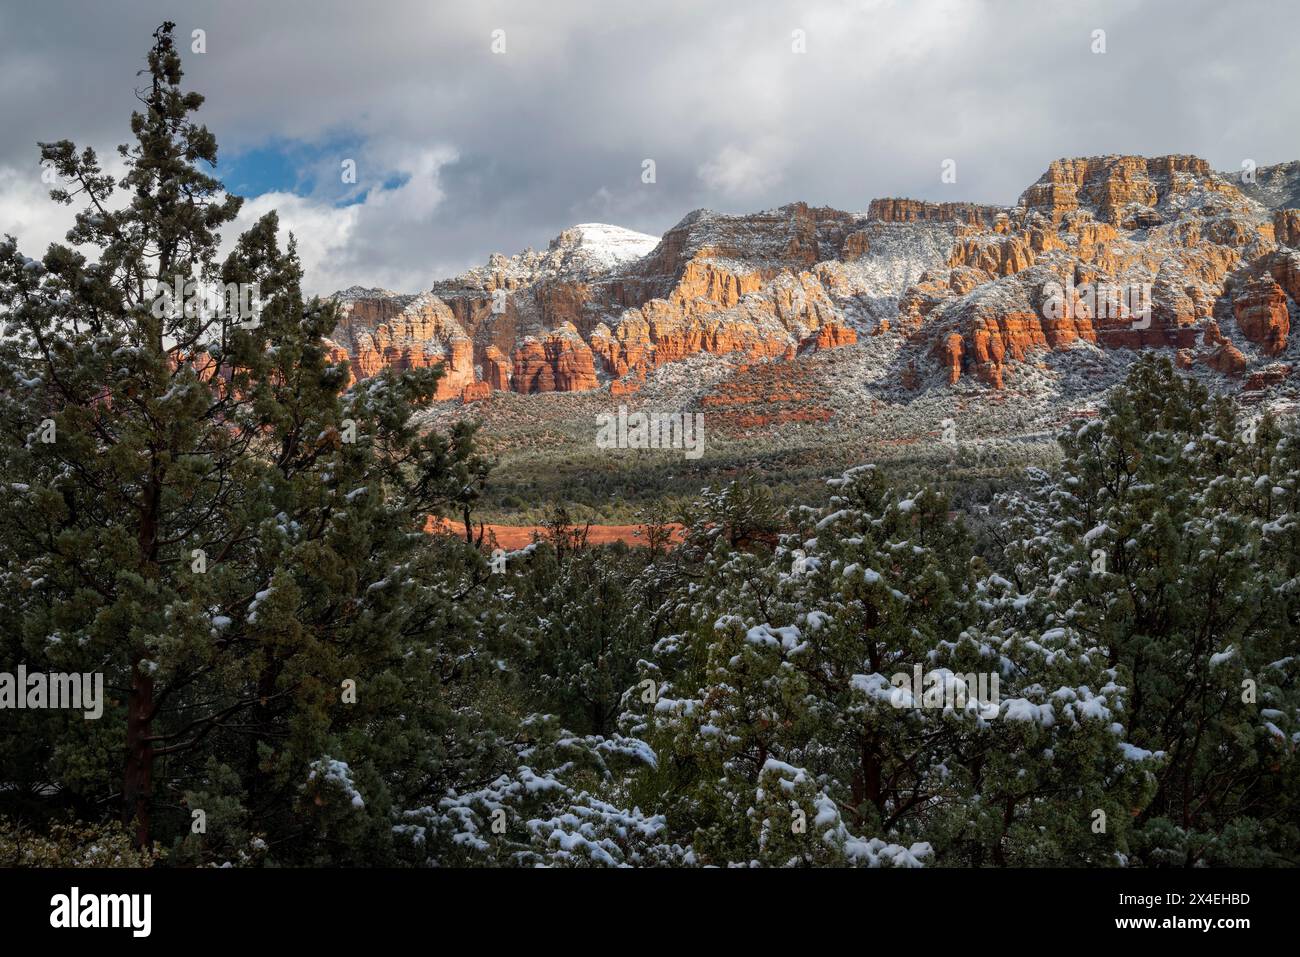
x,y
503,151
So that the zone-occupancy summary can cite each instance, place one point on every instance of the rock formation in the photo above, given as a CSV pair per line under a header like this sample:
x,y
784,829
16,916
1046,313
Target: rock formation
x,y
475,391
496,368
1109,252
1120,251
378,330
1261,313
560,362
1286,227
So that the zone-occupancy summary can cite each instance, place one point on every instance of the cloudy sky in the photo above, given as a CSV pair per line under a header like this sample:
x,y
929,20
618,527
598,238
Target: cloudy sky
x,y
461,151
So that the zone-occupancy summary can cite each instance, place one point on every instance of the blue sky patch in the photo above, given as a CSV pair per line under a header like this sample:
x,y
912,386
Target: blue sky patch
x,y
295,166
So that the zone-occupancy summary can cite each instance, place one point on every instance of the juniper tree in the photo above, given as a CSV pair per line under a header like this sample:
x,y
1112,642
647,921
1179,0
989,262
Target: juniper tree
x,y
1170,542
784,737
197,507
576,618
756,687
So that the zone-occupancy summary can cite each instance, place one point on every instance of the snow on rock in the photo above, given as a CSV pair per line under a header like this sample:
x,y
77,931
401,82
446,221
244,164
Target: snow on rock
x,y
603,246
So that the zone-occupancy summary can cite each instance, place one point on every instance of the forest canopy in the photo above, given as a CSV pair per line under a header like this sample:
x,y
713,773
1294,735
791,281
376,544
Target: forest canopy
x,y
199,508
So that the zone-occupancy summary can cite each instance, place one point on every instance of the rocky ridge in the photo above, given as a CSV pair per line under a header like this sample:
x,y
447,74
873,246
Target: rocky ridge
x,y
1111,253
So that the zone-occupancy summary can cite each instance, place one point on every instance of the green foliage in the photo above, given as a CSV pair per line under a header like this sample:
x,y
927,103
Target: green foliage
x,y
216,526
71,844
201,510
1171,538
783,672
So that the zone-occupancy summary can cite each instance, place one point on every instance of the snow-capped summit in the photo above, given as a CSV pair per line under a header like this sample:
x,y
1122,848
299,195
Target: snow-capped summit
x,y
580,252
603,245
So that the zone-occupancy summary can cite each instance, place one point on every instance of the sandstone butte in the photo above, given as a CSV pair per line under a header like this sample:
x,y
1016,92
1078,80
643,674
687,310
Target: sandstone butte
x,y
956,289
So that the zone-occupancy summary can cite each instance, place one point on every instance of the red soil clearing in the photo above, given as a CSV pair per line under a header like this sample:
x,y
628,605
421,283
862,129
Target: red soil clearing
x,y
513,537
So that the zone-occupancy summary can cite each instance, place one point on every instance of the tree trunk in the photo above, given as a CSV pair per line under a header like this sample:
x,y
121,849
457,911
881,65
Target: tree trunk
x,y
137,779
